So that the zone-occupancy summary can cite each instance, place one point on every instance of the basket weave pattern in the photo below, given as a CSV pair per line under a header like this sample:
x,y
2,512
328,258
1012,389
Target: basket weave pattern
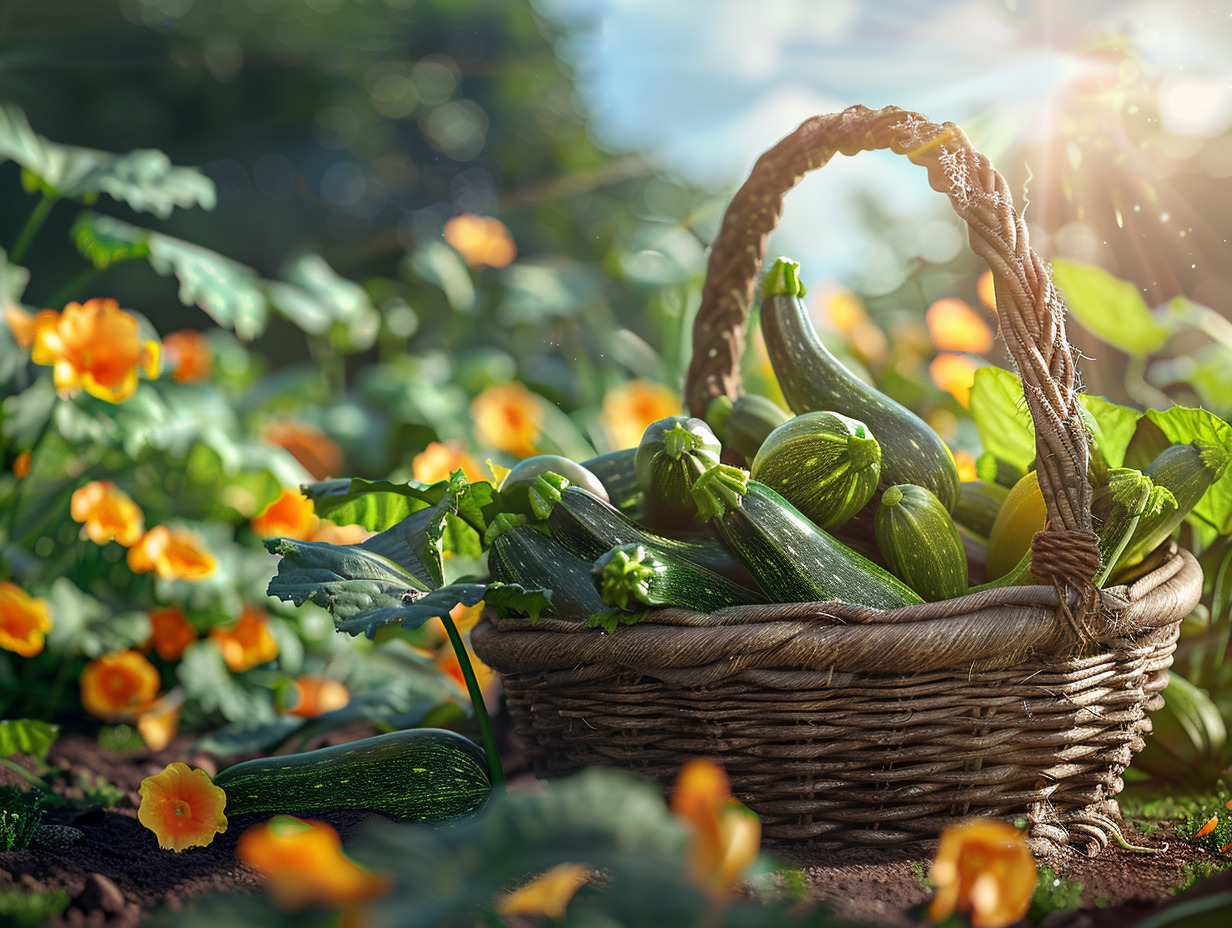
x,y
841,724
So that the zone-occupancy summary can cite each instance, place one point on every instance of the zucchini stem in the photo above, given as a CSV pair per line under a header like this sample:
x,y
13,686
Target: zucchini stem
x,y
495,770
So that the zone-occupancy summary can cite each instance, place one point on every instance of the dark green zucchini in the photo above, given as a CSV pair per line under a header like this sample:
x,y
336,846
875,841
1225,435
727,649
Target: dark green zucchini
x,y
423,774
665,469
978,504
527,556
921,543
588,527
825,464
813,379
791,559
617,472
634,577
515,488
742,424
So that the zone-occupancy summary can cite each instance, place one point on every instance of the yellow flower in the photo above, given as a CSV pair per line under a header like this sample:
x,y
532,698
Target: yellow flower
x,y
188,355
25,325
159,723
548,895
172,553
509,417
440,459
481,240
955,326
954,373
95,347
247,643
170,632
964,460
983,867
316,452
726,834
845,313
632,406
107,513
318,695
25,621
182,807
291,515
302,864
119,685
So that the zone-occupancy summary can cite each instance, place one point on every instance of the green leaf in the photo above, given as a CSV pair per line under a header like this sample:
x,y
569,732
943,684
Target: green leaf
x,y
1112,426
13,280
203,673
412,613
1109,307
377,505
316,298
27,736
84,625
439,264
144,179
104,241
1182,425
1001,417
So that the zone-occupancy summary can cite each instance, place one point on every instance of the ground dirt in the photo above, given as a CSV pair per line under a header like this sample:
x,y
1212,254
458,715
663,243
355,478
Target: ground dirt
x,y
115,874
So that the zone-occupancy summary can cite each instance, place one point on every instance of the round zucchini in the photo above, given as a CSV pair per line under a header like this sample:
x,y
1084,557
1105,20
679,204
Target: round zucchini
x,y
666,468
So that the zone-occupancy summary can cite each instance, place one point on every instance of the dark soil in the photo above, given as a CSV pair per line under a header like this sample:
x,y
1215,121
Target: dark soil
x,y
116,873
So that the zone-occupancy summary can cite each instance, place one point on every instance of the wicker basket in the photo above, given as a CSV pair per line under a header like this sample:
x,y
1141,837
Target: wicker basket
x,y
843,725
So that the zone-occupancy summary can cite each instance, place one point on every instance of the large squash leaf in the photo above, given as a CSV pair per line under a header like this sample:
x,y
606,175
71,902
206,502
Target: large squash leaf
x,y
1109,307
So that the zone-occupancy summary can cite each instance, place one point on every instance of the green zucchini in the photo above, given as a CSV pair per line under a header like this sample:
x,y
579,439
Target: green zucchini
x,y
588,527
813,379
666,474
527,556
791,559
979,501
423,774
634,577
617,472
742,424
516,487
825,464
921,543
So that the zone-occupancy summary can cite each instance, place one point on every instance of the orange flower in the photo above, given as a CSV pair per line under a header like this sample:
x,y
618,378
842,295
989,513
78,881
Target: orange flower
x,y
247,643
119,685
1211,824
25,325
303,864
189,356
509,417
25,621
159,723
440,459
182,807
289,516
965,462
170,632
481,240
726,834
21,464
316,452
331,534
107,513
548,895
95,347
632,406
845,312
955,326
172,553
983,867
318,695
954,373
986,290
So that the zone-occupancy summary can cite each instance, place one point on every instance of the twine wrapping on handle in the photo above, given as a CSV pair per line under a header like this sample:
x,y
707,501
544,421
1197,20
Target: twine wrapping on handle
x,y
1030,310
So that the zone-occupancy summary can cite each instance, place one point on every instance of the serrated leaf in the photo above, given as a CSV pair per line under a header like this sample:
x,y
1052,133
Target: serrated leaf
x,y
1108,307
1182,425
410,614
27,736
144,179
315,297
1001,417
104,241
225,289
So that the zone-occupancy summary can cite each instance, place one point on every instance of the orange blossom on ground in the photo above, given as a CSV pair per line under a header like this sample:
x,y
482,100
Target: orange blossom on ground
x,y
172,553
25,621
107,513
480,240
182,807
303,864
955,326
726,834
440,459
954,373
547,895
170,632
508,416
247,643
96,347
983,869
316,452
118,685
630,407
188,356
318,695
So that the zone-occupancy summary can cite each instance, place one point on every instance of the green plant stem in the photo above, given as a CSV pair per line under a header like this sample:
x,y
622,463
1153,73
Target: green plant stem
x,y
25,774
496,771
37,217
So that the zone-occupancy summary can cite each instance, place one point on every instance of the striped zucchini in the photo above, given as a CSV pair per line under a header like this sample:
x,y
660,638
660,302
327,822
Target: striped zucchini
x,y
791,559
813,379
634,577
742,424
665,470
825,464
978,504
423,774
921,543
527,556
515,489
617,472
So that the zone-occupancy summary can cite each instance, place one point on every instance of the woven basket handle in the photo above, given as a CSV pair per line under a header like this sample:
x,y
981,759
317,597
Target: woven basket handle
x,y
1031,312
